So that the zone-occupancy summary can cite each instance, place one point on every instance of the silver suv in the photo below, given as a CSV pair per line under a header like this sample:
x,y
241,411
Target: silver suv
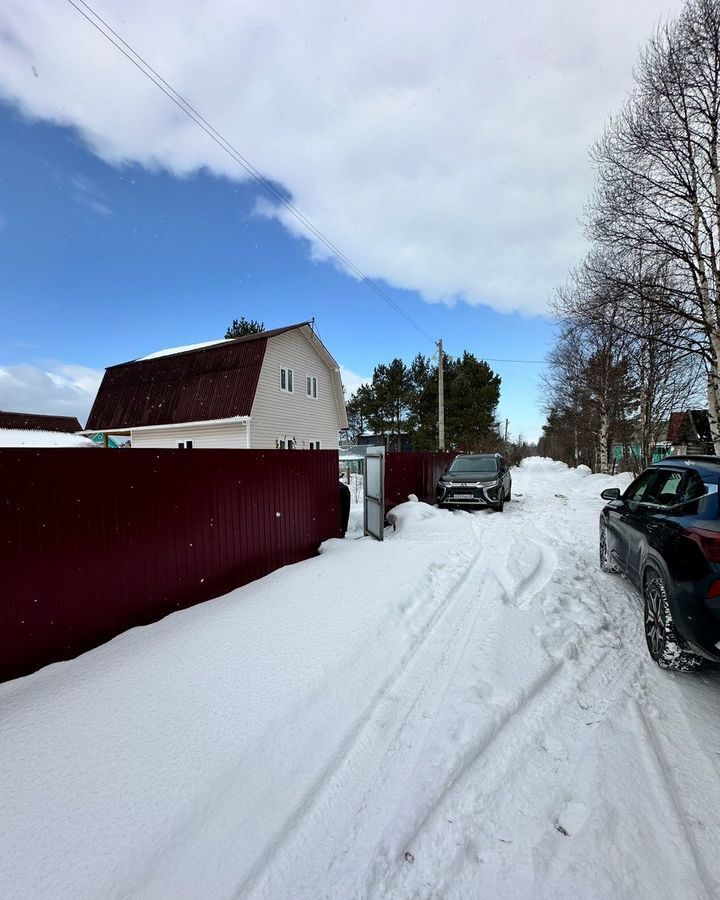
x,y
473,481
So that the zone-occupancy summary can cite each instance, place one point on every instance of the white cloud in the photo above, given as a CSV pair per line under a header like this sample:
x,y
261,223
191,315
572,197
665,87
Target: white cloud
x,y
351,381
60,389
443,147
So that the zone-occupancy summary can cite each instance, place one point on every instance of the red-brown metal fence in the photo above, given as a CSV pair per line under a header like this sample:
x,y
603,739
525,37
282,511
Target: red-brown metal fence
x,y
93,542
413,473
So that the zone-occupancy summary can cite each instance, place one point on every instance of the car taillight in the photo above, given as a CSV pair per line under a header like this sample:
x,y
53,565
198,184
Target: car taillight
x,y
714,590
708,541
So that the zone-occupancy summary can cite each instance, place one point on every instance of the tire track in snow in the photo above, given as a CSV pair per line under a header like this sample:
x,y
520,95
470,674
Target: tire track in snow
x,y
492,761
521,589
351,780
665,784
492,772
370,802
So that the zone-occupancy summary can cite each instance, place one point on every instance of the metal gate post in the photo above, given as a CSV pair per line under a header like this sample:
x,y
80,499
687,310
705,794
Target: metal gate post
x,y
374,490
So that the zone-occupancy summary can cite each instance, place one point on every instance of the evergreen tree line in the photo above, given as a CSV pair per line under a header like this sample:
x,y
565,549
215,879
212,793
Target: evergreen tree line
x,y
639,319
403,400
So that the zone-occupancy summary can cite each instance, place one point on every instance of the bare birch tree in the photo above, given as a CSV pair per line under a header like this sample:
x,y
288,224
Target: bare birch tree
x,y
658,191
589,382
618,294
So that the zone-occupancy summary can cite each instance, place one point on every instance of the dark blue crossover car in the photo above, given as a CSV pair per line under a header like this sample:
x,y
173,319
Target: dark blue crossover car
x,y
663,533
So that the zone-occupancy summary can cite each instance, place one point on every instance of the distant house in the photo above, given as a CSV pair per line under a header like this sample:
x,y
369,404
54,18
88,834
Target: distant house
x,y
35,422
279,389
19,429
689,432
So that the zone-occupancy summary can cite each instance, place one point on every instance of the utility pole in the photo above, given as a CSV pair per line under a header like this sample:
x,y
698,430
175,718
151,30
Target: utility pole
x,y
506,428
441,399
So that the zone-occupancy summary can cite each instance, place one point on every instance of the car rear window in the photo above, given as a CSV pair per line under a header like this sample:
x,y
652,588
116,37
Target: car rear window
x,y
665,489
699,498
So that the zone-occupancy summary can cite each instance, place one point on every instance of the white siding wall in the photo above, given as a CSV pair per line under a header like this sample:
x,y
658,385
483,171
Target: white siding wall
x,y
278,414
228,435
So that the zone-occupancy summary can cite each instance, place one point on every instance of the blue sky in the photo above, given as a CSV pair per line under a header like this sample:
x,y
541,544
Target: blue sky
x,y
442,147
102,263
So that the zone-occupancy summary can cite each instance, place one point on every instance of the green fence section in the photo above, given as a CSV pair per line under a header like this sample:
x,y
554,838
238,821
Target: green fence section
x,y
619,452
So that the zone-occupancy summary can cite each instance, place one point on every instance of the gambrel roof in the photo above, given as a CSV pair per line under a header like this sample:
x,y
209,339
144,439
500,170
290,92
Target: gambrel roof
x,y
207,382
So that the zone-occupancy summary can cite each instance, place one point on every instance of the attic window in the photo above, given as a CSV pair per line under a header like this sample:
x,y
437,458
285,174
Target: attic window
x,y
311,386
286,380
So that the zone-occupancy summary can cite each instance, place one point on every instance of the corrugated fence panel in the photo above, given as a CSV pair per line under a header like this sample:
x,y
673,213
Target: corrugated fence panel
x,y
95,542
413,473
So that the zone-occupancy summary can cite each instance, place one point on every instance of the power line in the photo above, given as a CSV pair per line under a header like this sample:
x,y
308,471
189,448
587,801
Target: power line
x,y
539,362
137,60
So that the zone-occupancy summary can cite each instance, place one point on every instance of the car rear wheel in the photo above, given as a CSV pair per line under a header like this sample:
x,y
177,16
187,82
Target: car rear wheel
x,y
666,646
606,562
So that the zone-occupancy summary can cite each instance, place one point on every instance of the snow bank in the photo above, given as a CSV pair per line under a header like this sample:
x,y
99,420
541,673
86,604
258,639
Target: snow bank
x,y
15,437
550,475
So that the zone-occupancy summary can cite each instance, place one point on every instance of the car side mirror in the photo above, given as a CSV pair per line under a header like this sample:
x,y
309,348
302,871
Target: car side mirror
x,y
611,494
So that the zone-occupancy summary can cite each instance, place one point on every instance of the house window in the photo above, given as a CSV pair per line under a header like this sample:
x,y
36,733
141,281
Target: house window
x,y
286,380
285,443
184,445
314,445
311,386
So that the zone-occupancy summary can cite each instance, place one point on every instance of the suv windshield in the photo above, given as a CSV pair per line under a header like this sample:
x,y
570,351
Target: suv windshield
x,y
474,464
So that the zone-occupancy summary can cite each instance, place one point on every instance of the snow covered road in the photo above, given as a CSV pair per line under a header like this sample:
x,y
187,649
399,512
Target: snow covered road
x,y
464,711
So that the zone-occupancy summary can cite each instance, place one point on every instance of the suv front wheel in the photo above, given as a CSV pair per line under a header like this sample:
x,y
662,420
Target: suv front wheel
x,y
606,561
664,643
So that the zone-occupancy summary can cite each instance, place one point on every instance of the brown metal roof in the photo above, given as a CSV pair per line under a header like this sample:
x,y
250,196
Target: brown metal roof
x,y
215,382
38,422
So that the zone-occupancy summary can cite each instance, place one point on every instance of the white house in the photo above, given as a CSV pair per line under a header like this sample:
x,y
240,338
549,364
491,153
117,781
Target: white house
x,y
278,389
